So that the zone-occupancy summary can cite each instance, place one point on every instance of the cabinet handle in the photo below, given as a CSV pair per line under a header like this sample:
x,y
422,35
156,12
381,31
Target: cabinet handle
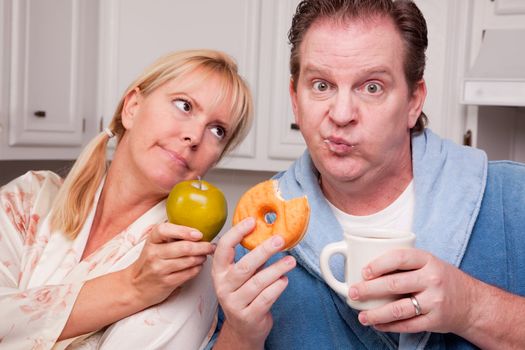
x,y
40,114
467,138
294,126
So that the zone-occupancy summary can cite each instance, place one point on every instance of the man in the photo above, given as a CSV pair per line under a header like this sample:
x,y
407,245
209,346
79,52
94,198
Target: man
x,y
357,91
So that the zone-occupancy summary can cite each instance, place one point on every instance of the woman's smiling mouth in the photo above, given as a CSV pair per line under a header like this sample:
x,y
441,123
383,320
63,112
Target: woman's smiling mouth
x,y
177,158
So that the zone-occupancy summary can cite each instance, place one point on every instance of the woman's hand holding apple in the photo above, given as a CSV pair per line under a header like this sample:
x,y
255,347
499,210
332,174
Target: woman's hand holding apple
x,y
171,256
175,252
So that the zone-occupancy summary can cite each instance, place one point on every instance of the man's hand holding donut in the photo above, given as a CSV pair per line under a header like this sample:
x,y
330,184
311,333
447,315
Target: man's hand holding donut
x,y
246,291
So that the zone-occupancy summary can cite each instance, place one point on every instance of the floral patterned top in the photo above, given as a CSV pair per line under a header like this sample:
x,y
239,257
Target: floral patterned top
x,y
41,274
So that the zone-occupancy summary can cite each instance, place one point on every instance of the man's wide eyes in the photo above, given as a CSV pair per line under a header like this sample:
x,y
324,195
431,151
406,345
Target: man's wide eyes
x,y
320,85
373,88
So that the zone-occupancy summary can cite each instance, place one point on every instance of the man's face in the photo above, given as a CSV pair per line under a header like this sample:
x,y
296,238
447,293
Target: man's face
x,y
352,101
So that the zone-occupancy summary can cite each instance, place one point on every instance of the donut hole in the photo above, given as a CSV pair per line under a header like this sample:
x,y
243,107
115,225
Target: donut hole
x,y
268,214
270,217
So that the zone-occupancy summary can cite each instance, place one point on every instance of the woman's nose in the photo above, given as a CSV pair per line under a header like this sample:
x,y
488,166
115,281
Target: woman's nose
x,y
193,134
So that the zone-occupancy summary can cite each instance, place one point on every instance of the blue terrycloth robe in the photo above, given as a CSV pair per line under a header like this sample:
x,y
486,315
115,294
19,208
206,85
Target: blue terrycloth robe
x,y
453,184
452,180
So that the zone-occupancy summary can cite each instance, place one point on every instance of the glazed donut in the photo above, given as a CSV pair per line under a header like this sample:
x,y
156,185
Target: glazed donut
x,y
273,215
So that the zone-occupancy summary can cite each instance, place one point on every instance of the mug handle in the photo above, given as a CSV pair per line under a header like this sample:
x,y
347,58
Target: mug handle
x,y
324,258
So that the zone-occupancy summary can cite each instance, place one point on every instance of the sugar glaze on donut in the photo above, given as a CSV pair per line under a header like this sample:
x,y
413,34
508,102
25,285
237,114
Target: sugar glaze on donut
x,y
273,215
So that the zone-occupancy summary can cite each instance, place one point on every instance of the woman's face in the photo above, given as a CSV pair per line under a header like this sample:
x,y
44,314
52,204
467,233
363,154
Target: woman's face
x,y
177,132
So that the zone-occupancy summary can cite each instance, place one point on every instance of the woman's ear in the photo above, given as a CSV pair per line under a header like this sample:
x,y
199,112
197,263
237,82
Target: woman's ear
x,y
417,100
130,108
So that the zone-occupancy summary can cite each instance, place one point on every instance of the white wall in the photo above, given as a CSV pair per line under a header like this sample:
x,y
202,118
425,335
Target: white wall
x,y
501,132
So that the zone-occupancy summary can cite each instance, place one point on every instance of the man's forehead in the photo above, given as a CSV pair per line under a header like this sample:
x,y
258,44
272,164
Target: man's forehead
x,y
332,43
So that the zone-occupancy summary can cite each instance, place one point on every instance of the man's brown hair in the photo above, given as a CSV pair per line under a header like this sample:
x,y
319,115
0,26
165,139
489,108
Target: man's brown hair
x,y
405,15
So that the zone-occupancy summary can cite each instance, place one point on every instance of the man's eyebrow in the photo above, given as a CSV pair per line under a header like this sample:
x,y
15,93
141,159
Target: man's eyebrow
x,y
377,70
315,70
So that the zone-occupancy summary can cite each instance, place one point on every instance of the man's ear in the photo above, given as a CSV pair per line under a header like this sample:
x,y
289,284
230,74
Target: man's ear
x,y
293,99
130,108
417,100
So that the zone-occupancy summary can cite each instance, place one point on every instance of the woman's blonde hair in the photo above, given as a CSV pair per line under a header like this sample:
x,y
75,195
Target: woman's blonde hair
x,y
75,198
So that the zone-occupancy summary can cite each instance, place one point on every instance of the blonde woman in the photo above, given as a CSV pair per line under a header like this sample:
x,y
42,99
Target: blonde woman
x,y
95,250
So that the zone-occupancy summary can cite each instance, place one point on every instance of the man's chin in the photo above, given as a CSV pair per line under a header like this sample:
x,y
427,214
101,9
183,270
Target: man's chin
x,y
341,169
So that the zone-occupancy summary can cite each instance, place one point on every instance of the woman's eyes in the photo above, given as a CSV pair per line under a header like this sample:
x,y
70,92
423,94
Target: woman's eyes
x,y
183,105
219,132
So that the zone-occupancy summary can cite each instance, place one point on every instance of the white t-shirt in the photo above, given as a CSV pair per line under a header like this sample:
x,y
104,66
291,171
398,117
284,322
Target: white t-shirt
x,y
398,215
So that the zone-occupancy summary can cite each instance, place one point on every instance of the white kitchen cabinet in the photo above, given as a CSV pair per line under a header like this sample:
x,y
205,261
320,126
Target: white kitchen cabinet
x,y
285,141
136,32
48,89
74,59
499,130
503,7
278,144
448,25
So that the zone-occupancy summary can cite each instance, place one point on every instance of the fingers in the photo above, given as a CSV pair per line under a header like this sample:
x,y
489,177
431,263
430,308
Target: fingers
x,y
245,268
179,277
427,303
395,260
264,301
225,251
166,267
173,248
395,273
169,241
167,232
179,249
245,290
393,284
250,305
398,316
265,286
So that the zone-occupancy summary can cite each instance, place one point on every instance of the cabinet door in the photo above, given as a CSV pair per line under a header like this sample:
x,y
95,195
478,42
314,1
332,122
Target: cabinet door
x,y
137,32
45,66
284,138
500,131
278,144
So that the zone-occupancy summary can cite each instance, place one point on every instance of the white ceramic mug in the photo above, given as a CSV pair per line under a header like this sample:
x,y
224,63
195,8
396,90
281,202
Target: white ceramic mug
x,y
359,248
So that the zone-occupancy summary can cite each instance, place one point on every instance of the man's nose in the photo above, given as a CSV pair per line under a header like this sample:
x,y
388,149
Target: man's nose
x,y
343,109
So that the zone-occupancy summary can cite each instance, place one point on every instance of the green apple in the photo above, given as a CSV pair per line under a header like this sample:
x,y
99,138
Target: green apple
x,y
197,204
